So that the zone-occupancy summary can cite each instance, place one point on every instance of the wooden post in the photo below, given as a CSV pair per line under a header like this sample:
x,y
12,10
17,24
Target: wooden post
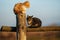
x,y
20,11
21,26
21,23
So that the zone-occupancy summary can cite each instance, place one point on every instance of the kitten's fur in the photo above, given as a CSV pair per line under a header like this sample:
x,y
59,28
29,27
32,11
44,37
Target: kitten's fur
x,y
33,22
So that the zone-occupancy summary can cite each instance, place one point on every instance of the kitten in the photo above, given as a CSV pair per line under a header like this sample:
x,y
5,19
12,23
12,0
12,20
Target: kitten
x,y
33,22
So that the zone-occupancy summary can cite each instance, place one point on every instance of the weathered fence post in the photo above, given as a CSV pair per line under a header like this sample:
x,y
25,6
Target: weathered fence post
x,y
20,11
21,26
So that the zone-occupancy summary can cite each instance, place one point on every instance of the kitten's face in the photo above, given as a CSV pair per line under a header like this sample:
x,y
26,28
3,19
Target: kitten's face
x,y
19,7
29,20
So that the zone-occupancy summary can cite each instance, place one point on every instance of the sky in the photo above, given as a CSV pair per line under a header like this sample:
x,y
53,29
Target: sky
x,y
46,10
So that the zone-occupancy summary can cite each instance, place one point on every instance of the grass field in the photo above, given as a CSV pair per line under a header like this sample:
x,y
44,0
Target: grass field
x,y
43,33
47,35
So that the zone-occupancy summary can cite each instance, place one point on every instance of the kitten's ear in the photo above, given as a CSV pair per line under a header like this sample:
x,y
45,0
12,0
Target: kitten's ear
x,y
27,4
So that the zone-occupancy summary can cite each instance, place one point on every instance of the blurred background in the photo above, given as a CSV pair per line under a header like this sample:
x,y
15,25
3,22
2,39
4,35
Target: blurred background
x,y
46,10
